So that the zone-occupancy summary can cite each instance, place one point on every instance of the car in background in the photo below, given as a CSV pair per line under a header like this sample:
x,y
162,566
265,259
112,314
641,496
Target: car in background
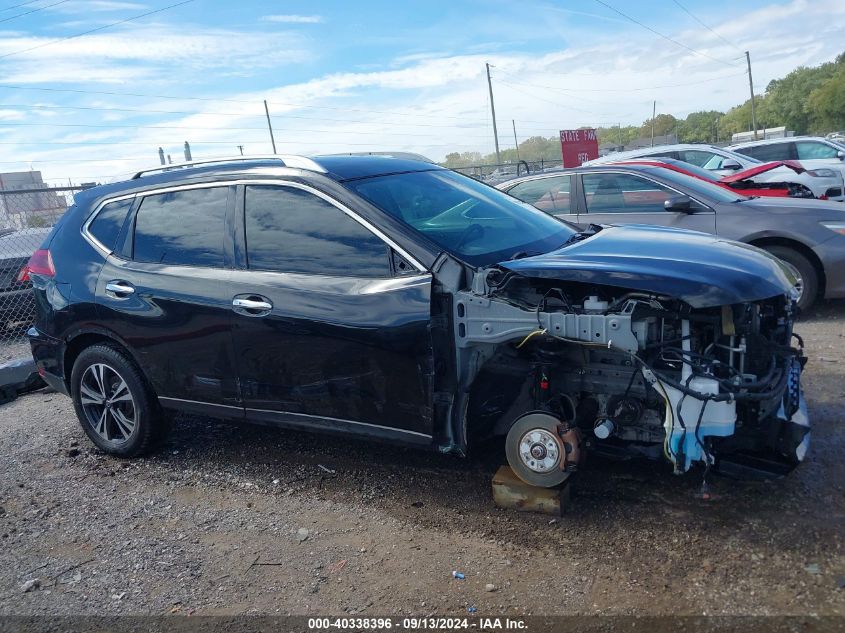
x,y
814,153
16,298
622,193
740,181
825,183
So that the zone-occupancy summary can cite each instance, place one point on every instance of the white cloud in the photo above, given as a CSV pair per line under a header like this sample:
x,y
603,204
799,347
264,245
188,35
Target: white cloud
x,y
429,101
293,19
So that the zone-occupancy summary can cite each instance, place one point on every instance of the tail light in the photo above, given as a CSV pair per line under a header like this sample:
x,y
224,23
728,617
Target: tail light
x,y
41,263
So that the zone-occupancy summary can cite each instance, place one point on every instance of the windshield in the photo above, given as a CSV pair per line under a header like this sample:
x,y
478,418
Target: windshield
x,y
699,186
473,221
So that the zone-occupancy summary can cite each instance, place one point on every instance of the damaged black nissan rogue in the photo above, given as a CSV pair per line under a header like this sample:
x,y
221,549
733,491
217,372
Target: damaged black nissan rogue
x,y
393,299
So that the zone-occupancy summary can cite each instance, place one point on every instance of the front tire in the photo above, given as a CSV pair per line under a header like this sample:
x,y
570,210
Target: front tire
x,y
809,277
535,451
113,403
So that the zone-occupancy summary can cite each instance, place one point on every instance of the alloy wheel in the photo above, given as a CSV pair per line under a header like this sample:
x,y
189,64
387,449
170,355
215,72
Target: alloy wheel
x,y
108,403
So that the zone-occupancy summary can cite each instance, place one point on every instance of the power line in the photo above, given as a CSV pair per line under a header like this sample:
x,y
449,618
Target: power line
x,y
693,16
659,34
643,89
94,30
534,96
241,101
287,116
22,4
20,15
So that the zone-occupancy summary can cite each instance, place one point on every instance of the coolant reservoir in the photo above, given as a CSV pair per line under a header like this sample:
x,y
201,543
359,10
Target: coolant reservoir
x,y
718,419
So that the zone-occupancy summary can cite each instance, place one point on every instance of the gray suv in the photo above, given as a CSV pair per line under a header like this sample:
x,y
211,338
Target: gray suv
x,y
809,235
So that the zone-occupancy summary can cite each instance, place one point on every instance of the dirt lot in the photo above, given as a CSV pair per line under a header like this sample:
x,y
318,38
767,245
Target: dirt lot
x,y
216,521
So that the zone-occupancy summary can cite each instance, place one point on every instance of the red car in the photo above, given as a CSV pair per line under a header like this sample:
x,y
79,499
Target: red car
x,y
741,180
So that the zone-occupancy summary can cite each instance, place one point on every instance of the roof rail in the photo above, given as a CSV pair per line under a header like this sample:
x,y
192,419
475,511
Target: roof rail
x,y
286,160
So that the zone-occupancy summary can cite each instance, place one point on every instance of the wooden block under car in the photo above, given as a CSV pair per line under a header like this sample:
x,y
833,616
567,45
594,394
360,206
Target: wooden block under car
x,y
509,491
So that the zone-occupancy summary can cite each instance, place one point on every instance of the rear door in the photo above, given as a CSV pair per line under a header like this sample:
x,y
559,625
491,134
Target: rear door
x,y
625,198
331,322
165,291
552,194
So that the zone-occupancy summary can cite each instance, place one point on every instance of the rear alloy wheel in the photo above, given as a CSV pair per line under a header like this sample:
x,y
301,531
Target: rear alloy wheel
x,y
808,279
535,451
112,401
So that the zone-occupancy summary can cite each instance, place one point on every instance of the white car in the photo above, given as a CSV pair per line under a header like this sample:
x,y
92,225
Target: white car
x,y
811,152
824,182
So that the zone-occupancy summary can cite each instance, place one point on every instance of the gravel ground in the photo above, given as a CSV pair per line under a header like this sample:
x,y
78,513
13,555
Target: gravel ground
x,y
233,519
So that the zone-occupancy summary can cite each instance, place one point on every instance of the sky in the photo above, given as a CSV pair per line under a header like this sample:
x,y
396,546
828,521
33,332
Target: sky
x,y
90,89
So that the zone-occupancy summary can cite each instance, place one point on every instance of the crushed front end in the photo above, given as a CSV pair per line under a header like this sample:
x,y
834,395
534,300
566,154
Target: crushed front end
x,y
566,367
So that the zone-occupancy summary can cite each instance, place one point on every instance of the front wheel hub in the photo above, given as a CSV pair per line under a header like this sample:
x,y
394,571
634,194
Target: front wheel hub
x,y
539,451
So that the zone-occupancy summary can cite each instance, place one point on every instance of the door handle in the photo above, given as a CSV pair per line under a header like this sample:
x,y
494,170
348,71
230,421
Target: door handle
x,y
252,306
120,289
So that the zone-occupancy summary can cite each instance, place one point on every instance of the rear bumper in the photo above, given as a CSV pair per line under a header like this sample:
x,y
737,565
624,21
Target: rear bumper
x,y
48,354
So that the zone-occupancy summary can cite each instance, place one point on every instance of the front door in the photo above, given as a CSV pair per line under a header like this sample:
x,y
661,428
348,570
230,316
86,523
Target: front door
x,y
625,198
331,328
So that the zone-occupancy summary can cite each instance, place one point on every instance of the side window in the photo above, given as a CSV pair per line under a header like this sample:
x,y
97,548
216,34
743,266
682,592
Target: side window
x,y
773,151
294,231
182,227
623,193
810,150
548,194
107,224
663,154
715,161
698,158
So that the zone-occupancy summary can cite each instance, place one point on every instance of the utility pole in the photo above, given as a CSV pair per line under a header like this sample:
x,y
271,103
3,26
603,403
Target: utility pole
x,y
515,142
653,116
751,87
619,129
241,147
493,112
269,125
188,157
161,156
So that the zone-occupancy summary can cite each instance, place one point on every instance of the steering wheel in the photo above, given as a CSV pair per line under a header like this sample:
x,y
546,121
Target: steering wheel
x,y
472,232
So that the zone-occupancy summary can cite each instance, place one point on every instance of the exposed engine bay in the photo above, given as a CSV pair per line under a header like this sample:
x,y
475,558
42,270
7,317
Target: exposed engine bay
x,y
794,189
567,368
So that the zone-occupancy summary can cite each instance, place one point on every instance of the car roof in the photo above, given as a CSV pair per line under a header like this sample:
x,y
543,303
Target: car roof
x,y
337,167
639,153
783,139
654,167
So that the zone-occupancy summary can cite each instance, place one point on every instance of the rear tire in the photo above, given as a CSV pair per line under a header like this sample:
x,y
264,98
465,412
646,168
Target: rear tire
x,y
535,450
805,269
113,403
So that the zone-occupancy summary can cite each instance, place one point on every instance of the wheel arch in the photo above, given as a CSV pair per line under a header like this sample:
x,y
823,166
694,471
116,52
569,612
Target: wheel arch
x,y
800,247
87,337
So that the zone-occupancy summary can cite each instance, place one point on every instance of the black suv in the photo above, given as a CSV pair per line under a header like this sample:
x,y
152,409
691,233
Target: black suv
x,y
394,299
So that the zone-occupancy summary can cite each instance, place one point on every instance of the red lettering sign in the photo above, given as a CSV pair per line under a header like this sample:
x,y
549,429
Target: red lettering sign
x,y
578,146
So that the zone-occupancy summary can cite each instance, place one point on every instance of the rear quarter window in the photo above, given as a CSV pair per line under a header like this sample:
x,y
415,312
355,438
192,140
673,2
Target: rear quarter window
x,y
106,225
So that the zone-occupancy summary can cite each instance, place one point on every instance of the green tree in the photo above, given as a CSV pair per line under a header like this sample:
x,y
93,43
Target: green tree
x,y
787,98
663,124
699,127
826,104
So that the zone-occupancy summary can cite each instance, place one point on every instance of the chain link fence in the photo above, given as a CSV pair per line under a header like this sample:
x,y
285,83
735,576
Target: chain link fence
x,y
26,218
494,174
